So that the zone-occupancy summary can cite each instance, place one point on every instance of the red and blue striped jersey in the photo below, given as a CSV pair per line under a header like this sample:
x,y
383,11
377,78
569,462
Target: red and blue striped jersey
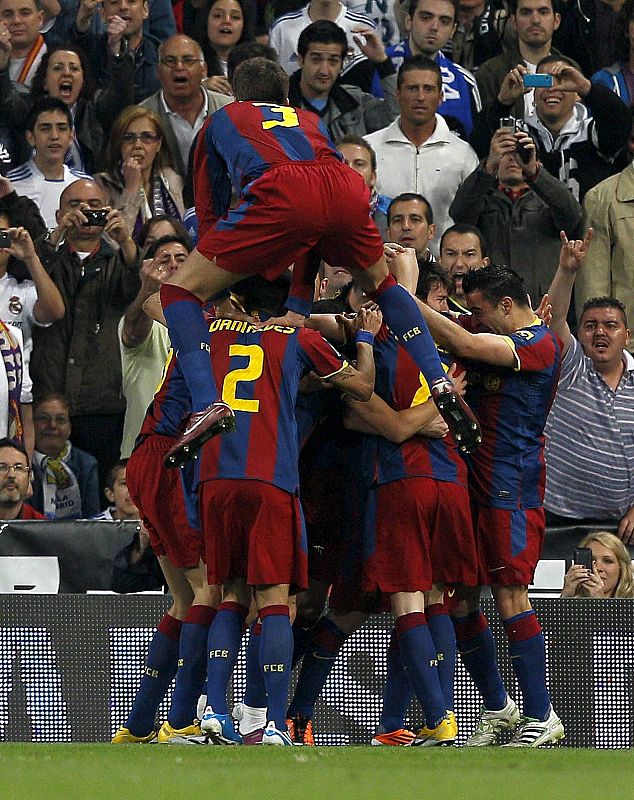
x,y
511,404
170,404
257,373
242,141
400,383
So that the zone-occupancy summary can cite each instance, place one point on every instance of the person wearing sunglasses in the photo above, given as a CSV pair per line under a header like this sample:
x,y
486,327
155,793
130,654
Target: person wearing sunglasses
x,y
139,178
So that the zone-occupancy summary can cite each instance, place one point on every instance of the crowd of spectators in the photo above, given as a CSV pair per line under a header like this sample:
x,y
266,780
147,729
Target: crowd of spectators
x,y
100,106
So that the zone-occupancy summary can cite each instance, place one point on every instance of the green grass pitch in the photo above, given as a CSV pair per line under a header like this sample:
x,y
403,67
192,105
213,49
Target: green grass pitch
x,y
157,772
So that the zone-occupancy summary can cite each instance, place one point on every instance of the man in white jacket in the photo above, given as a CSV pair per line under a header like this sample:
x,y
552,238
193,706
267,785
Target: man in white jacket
x,y
418,153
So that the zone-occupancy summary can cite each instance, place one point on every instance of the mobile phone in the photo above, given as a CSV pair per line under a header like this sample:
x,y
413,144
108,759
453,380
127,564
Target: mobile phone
x,y
508,124
538,79
96,217
583,557
5,239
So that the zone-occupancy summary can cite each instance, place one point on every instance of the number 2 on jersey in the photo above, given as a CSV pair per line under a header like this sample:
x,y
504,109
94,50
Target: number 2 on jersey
x,y
288,114
251,372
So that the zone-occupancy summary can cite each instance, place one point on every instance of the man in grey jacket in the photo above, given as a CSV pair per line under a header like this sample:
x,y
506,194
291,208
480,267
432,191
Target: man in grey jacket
x,y
182,104
520,208
344,109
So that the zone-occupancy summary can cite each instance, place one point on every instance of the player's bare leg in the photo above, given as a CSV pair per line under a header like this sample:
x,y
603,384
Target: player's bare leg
x,y
403,317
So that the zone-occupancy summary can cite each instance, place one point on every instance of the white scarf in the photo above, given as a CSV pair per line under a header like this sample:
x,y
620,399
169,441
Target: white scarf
x,y
61,496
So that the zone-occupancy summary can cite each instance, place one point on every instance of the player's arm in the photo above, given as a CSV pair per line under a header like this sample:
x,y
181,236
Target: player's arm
x,y
378,418
491,348
358,382
571,259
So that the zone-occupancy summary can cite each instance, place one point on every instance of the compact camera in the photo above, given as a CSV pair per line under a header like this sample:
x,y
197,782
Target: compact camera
x,y
539,80
513,125
5,239
96,217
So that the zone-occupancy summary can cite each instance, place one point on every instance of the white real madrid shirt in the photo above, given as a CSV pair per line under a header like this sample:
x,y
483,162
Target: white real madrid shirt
x,y
17,301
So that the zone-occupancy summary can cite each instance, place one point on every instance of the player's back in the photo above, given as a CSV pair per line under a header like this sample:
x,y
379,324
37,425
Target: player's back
x,y
257,372
252,138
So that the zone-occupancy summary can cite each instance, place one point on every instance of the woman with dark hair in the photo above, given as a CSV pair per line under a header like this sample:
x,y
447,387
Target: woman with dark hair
x,y
139,178
161,225
620,76
224,29
65,73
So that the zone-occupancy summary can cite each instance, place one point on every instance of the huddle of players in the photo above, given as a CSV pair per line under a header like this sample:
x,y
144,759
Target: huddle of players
x,y
416,504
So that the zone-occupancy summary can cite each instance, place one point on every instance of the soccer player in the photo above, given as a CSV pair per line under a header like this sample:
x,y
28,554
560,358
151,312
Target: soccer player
x,y
179,644
513,372
298,203
249,506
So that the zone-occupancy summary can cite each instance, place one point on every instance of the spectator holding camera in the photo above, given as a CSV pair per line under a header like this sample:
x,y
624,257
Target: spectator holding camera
x,y
535,22
520,209
579,127
78,356
611,574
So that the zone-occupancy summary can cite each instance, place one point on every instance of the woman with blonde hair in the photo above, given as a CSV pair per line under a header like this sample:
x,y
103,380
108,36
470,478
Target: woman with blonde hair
x,y
139,179
611,574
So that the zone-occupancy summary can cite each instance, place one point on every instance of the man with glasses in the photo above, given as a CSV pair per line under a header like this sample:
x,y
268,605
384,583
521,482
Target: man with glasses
x,y
15,474
182,104
65,478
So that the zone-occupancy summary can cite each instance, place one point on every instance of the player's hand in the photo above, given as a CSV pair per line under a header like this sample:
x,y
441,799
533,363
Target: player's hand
x,y
512,87
116,31
311,382
545,310
459,380
391,250
5,46
292,319
502,143
368,319
436,428
369,41
573,252
625,531
218,83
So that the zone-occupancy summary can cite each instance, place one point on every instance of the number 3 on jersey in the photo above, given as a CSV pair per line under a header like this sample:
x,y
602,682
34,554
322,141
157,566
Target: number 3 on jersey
x,y
272,114
251,372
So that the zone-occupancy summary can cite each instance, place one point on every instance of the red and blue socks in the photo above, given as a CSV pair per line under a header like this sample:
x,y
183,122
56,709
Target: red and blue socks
x,y
192,666
405,320
397,692
160,667
476,646
528,659
444,638
418,656
189,335
327,641
223,643
276,652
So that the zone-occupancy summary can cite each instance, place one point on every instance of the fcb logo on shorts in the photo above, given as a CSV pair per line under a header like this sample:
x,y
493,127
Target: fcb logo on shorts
x,y
15,305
